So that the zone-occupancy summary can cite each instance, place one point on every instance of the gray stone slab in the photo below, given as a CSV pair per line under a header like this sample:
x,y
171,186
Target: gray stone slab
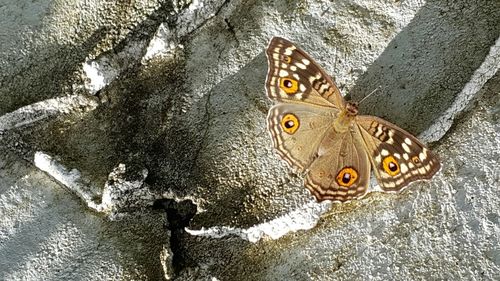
x,y
109,110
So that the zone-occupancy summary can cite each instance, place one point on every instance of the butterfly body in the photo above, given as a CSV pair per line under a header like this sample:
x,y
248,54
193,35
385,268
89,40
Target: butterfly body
x,y
319,133
346,118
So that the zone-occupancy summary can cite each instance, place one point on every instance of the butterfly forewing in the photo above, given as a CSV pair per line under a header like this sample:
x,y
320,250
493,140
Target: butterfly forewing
x,y
398,158
293,76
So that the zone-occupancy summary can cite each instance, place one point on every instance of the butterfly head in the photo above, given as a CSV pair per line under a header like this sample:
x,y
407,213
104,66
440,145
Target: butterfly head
x,y
351,108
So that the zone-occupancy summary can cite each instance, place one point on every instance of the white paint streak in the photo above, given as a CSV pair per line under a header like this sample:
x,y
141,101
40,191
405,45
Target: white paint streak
x,y
71,179
45,109
303,218
99,74
162,45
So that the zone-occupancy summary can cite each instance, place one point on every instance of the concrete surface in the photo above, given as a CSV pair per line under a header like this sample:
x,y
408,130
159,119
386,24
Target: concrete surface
x,y
133,142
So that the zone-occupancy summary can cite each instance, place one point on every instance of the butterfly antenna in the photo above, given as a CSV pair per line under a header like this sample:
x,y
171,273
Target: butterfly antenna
x,y
376,89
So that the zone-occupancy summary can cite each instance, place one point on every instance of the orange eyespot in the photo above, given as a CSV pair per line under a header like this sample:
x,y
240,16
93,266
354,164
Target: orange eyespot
x,y
347,176
415,160
290,123
390,165
289,85
286,58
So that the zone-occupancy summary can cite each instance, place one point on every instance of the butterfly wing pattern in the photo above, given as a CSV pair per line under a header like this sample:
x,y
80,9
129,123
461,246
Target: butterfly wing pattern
x,y
317,132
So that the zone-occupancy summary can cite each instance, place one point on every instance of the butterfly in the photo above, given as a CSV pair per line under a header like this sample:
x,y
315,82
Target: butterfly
x,y
321,135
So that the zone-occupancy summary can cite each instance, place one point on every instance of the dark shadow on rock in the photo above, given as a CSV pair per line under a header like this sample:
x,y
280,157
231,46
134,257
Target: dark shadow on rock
x,y
128,119
179,214
204,152
429,62
139,238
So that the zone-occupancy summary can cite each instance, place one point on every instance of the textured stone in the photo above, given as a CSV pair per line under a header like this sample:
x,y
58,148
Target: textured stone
x,y
161,105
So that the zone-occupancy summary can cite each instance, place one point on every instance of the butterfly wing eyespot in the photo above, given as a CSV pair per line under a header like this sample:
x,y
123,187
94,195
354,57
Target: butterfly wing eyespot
x,y
289,86
391,166
290,123
286,58
347,177
415,160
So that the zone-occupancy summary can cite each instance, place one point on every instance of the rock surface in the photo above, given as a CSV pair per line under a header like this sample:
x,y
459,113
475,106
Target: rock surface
x,y
133,143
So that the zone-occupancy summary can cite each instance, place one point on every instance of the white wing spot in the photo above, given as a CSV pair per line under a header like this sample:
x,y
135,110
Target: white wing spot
x,y
397,155
302,88
406,147
293,68
403,168
323,88
378,133
408,141
384,152
422,156
427,167
378,159
296,76
283,73
289,50
406,156
389,184
306,61
300,65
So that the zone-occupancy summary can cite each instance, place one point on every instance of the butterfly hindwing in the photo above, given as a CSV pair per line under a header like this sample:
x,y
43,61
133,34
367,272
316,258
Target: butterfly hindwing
x,y
293,76
398,158
341,171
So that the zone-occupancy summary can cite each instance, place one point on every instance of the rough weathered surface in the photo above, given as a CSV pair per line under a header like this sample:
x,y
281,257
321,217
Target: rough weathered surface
x,y
130,108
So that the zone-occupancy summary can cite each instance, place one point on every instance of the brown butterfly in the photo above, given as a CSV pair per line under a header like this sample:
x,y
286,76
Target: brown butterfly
x,y
316,131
